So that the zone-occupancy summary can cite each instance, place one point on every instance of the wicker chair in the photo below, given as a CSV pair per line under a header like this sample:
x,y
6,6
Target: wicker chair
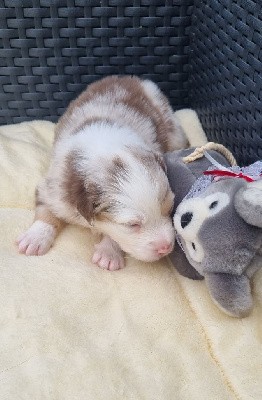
x,y
203,54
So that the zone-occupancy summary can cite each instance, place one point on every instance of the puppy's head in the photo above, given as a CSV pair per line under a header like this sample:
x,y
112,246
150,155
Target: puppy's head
x,y
129,199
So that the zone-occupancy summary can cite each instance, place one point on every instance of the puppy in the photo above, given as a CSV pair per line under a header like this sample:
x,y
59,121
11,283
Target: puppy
x,y
107,173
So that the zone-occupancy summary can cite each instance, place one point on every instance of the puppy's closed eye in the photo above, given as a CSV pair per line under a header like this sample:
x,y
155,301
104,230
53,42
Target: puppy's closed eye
x,y
135,226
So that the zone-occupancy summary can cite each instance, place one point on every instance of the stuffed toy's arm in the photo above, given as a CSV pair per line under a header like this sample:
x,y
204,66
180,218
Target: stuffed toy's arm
x,y
182,265
231,293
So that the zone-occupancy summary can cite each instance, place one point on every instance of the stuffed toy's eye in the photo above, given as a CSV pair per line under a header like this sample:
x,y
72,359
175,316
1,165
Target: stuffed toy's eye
x,y
216,202
185,219
213,204
194,246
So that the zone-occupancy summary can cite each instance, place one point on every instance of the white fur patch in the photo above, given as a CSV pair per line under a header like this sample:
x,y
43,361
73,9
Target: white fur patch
x,y
37,240
120,114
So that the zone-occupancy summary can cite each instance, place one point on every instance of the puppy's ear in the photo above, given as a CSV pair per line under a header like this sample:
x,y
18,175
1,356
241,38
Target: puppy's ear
x,y
88,199
82,194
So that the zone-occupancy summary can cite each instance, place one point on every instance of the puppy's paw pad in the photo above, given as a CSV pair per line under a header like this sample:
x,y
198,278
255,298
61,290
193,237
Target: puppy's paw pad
x,y
108,258
37,240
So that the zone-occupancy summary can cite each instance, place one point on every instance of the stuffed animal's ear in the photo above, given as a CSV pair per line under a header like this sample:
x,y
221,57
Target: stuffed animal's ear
x,y
248,203
231,293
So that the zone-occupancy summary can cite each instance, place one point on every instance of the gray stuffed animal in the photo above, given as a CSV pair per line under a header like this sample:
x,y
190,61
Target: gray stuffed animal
x,y
218,223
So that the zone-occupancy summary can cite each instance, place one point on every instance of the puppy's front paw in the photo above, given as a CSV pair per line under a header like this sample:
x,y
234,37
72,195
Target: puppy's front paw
x,y
37,240
108,255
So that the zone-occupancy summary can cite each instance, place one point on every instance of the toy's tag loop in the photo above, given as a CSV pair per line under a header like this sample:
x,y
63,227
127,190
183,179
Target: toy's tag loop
x,y
214,162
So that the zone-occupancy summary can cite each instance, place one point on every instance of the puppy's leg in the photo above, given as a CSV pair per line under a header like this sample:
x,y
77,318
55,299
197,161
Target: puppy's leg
x,y
38,239
108,255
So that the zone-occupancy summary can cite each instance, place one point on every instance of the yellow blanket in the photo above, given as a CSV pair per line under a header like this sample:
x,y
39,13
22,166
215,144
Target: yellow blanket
x,y
71,331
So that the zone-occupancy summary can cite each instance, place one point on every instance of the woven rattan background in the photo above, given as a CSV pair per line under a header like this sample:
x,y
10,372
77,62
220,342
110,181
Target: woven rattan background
x,y
50,50
226,79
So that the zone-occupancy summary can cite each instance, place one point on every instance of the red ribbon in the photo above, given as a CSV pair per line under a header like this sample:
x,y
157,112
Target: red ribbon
x,y
218,172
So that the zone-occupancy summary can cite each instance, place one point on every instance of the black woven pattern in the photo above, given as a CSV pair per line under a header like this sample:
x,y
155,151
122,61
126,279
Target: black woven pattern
x,y
226,80
50,50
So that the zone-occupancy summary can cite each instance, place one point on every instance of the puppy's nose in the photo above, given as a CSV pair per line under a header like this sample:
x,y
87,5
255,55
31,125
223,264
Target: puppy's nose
x,y
164,248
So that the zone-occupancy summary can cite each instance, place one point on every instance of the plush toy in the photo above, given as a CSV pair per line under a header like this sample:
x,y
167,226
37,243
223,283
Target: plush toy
x,y
218,223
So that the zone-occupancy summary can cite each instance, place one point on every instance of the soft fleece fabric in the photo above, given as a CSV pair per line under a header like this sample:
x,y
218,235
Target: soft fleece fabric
x,y
71,331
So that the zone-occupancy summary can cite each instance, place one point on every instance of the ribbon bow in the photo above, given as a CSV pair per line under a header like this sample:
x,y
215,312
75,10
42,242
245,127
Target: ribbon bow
x,y
223,173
